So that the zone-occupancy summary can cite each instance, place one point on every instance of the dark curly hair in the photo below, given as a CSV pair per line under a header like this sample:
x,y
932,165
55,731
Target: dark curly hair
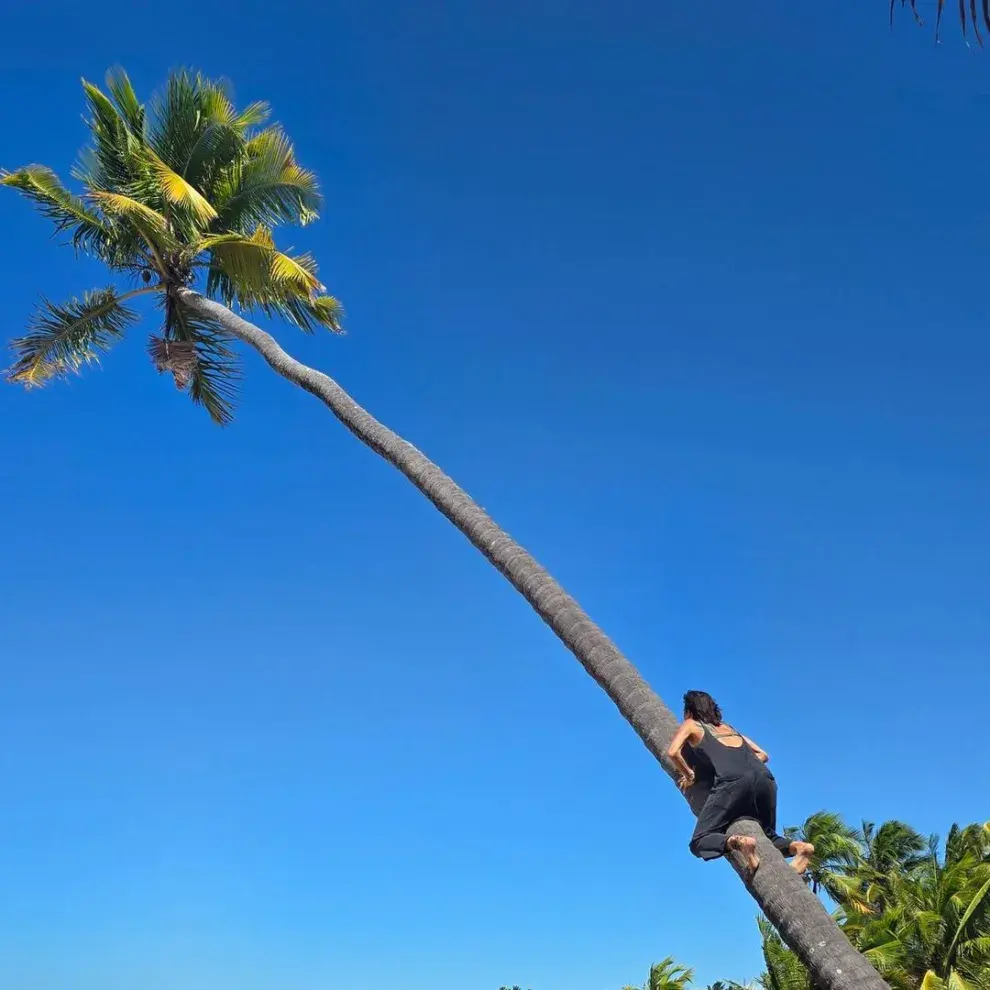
x,y
702,707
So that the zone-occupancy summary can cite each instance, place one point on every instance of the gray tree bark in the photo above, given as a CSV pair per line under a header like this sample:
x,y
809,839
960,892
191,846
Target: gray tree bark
x,y
787,902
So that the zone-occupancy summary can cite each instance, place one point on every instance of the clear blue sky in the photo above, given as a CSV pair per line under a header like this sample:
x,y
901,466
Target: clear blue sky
x,y
692,298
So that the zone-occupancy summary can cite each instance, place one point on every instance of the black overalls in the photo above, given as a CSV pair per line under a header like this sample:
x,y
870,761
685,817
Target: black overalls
x,y
742,787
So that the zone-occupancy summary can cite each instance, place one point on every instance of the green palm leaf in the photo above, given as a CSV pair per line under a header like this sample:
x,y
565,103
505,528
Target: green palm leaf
x,y
178,116
258,273
956,981
149,223
321,312
219,136
253,115
109,161
61,339
128,106
784,969
975,904
268,188
668,975
67,211
177,191
887,956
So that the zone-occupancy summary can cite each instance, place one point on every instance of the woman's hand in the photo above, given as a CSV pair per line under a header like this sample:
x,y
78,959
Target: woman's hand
x,y
686,781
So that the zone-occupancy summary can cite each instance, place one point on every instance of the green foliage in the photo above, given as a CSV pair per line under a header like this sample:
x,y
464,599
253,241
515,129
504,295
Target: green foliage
x,y
920,912
667,975
920,915
837,847
188,189
784,970
60,339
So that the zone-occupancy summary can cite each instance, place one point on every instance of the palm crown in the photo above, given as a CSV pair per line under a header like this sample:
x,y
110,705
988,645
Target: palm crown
x,y
188,189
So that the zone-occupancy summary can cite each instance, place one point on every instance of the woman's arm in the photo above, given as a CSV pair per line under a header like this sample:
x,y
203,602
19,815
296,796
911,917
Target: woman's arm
x,y
762,756
688,731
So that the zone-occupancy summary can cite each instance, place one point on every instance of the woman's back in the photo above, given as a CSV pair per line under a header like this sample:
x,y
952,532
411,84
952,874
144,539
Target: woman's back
x,y
726,752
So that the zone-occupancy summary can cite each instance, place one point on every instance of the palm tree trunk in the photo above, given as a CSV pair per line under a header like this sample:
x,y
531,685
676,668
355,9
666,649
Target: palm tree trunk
x,y
795,912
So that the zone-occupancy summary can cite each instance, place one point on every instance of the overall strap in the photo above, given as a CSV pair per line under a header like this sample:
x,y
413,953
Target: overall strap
x,y
708,727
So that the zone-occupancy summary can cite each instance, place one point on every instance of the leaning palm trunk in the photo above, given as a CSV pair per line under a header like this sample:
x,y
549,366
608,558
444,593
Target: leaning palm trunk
x,y
794,910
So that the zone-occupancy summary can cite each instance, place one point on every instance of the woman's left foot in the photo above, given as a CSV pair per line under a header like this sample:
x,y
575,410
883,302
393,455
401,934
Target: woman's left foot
x,y
747,847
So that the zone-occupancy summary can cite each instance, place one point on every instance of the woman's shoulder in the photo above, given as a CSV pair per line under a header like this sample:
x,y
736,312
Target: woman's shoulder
x,y
696,730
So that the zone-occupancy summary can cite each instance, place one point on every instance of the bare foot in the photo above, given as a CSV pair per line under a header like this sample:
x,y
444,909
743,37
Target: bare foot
x,y
747,846
803,851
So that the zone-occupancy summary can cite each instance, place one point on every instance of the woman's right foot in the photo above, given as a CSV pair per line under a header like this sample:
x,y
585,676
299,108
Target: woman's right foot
x,y
746,847
803,851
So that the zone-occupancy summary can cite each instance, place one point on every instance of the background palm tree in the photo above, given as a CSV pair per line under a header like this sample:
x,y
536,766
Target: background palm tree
x,y
784,970
889,852
922,918
189,194
838,848
940,912
667,975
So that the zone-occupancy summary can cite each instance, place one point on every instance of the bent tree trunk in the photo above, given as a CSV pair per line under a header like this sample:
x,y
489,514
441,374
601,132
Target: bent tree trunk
x,y
792,908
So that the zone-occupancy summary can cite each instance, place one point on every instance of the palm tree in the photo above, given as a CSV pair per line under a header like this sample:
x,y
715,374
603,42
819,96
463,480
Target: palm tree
x,y
942,917
838,848
667,975
921,918
784,970
889,851
188,194
934,929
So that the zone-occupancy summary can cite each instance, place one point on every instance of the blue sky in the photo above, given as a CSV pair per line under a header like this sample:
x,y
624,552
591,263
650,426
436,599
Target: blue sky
x,y
691,297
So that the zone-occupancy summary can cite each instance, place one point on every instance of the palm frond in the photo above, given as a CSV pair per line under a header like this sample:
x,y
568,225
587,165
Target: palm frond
x,y
976,952
177,191
784,969
177,118
310,315
211,370
109,161
219,136
967,17
67,211
253,115
669,975
905,3
63,338
885,957
258,273
128,105
217,148
978,901
848,891
956,981
268,188
149,223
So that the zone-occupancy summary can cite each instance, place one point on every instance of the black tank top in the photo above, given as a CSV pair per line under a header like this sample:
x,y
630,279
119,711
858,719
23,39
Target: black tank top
x,y
727,762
